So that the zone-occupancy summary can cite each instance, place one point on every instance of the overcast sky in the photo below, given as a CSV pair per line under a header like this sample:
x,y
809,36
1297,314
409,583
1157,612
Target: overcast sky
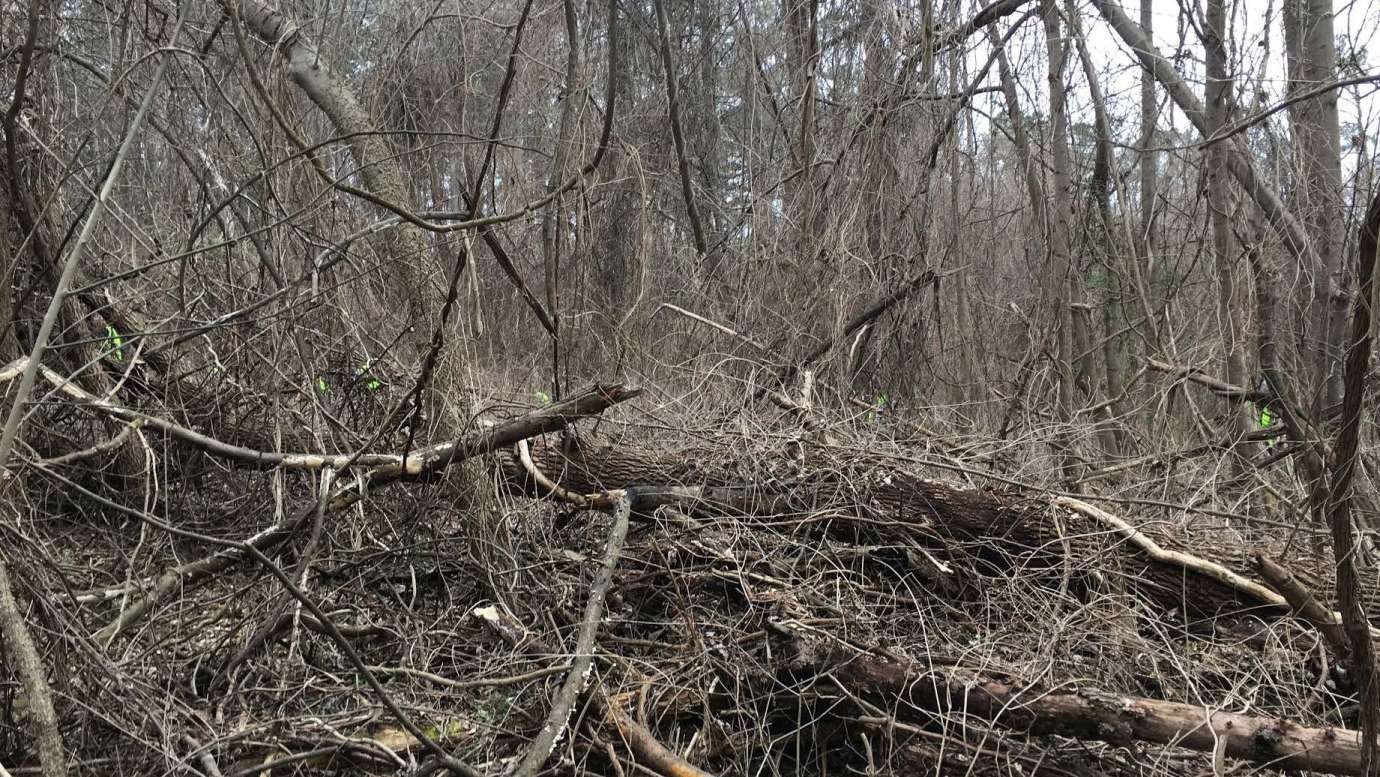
x,y
1250,23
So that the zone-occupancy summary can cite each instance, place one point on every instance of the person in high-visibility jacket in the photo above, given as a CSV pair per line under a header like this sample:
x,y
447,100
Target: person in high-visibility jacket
x,y
115,343
1265,421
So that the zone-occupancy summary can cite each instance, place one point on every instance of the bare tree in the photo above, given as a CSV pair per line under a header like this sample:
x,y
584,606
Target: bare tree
x,y
1231,309
1310,50
321,322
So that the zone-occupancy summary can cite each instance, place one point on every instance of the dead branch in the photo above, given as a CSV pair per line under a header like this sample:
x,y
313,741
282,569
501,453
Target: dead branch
x,y
426,462
209,445
868,315
1219,387
713,325
989,14
42,717
564,703
640,741
386,467
1304,605
651,752
1221,574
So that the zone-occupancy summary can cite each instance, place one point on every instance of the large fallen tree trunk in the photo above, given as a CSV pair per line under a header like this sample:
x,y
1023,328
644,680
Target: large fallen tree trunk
x,y
886,496
920,693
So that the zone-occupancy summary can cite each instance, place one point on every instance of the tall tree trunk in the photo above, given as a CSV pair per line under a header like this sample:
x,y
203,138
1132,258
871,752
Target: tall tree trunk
x,y
1311,54
1149,177
1341,497
1059,216
707,126
1230,309
1103,231
668,67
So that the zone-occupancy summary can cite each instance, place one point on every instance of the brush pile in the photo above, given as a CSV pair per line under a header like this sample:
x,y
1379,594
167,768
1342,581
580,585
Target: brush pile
x,y
809,594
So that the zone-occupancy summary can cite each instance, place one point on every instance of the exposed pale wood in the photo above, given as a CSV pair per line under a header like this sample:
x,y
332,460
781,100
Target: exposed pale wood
x,y
1304,605
1202,566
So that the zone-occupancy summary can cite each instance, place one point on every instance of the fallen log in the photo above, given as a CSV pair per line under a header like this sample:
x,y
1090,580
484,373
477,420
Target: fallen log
x,y
920,693
1156,561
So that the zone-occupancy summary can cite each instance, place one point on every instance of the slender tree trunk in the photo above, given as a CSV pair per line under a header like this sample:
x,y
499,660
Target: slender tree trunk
x,y
668,67
1230,309
1059,217
803,58
553,221
1149,176
1031,177
706,119
1341,497
1103,237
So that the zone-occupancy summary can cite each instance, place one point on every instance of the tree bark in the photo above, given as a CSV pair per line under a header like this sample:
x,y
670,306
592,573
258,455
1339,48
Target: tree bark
x,y
921,692
1149,174
1155,562
1311,55
1057,229
1341,497
1230,319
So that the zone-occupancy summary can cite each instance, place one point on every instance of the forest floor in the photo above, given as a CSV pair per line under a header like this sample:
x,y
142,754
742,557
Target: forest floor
x,y
730,636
